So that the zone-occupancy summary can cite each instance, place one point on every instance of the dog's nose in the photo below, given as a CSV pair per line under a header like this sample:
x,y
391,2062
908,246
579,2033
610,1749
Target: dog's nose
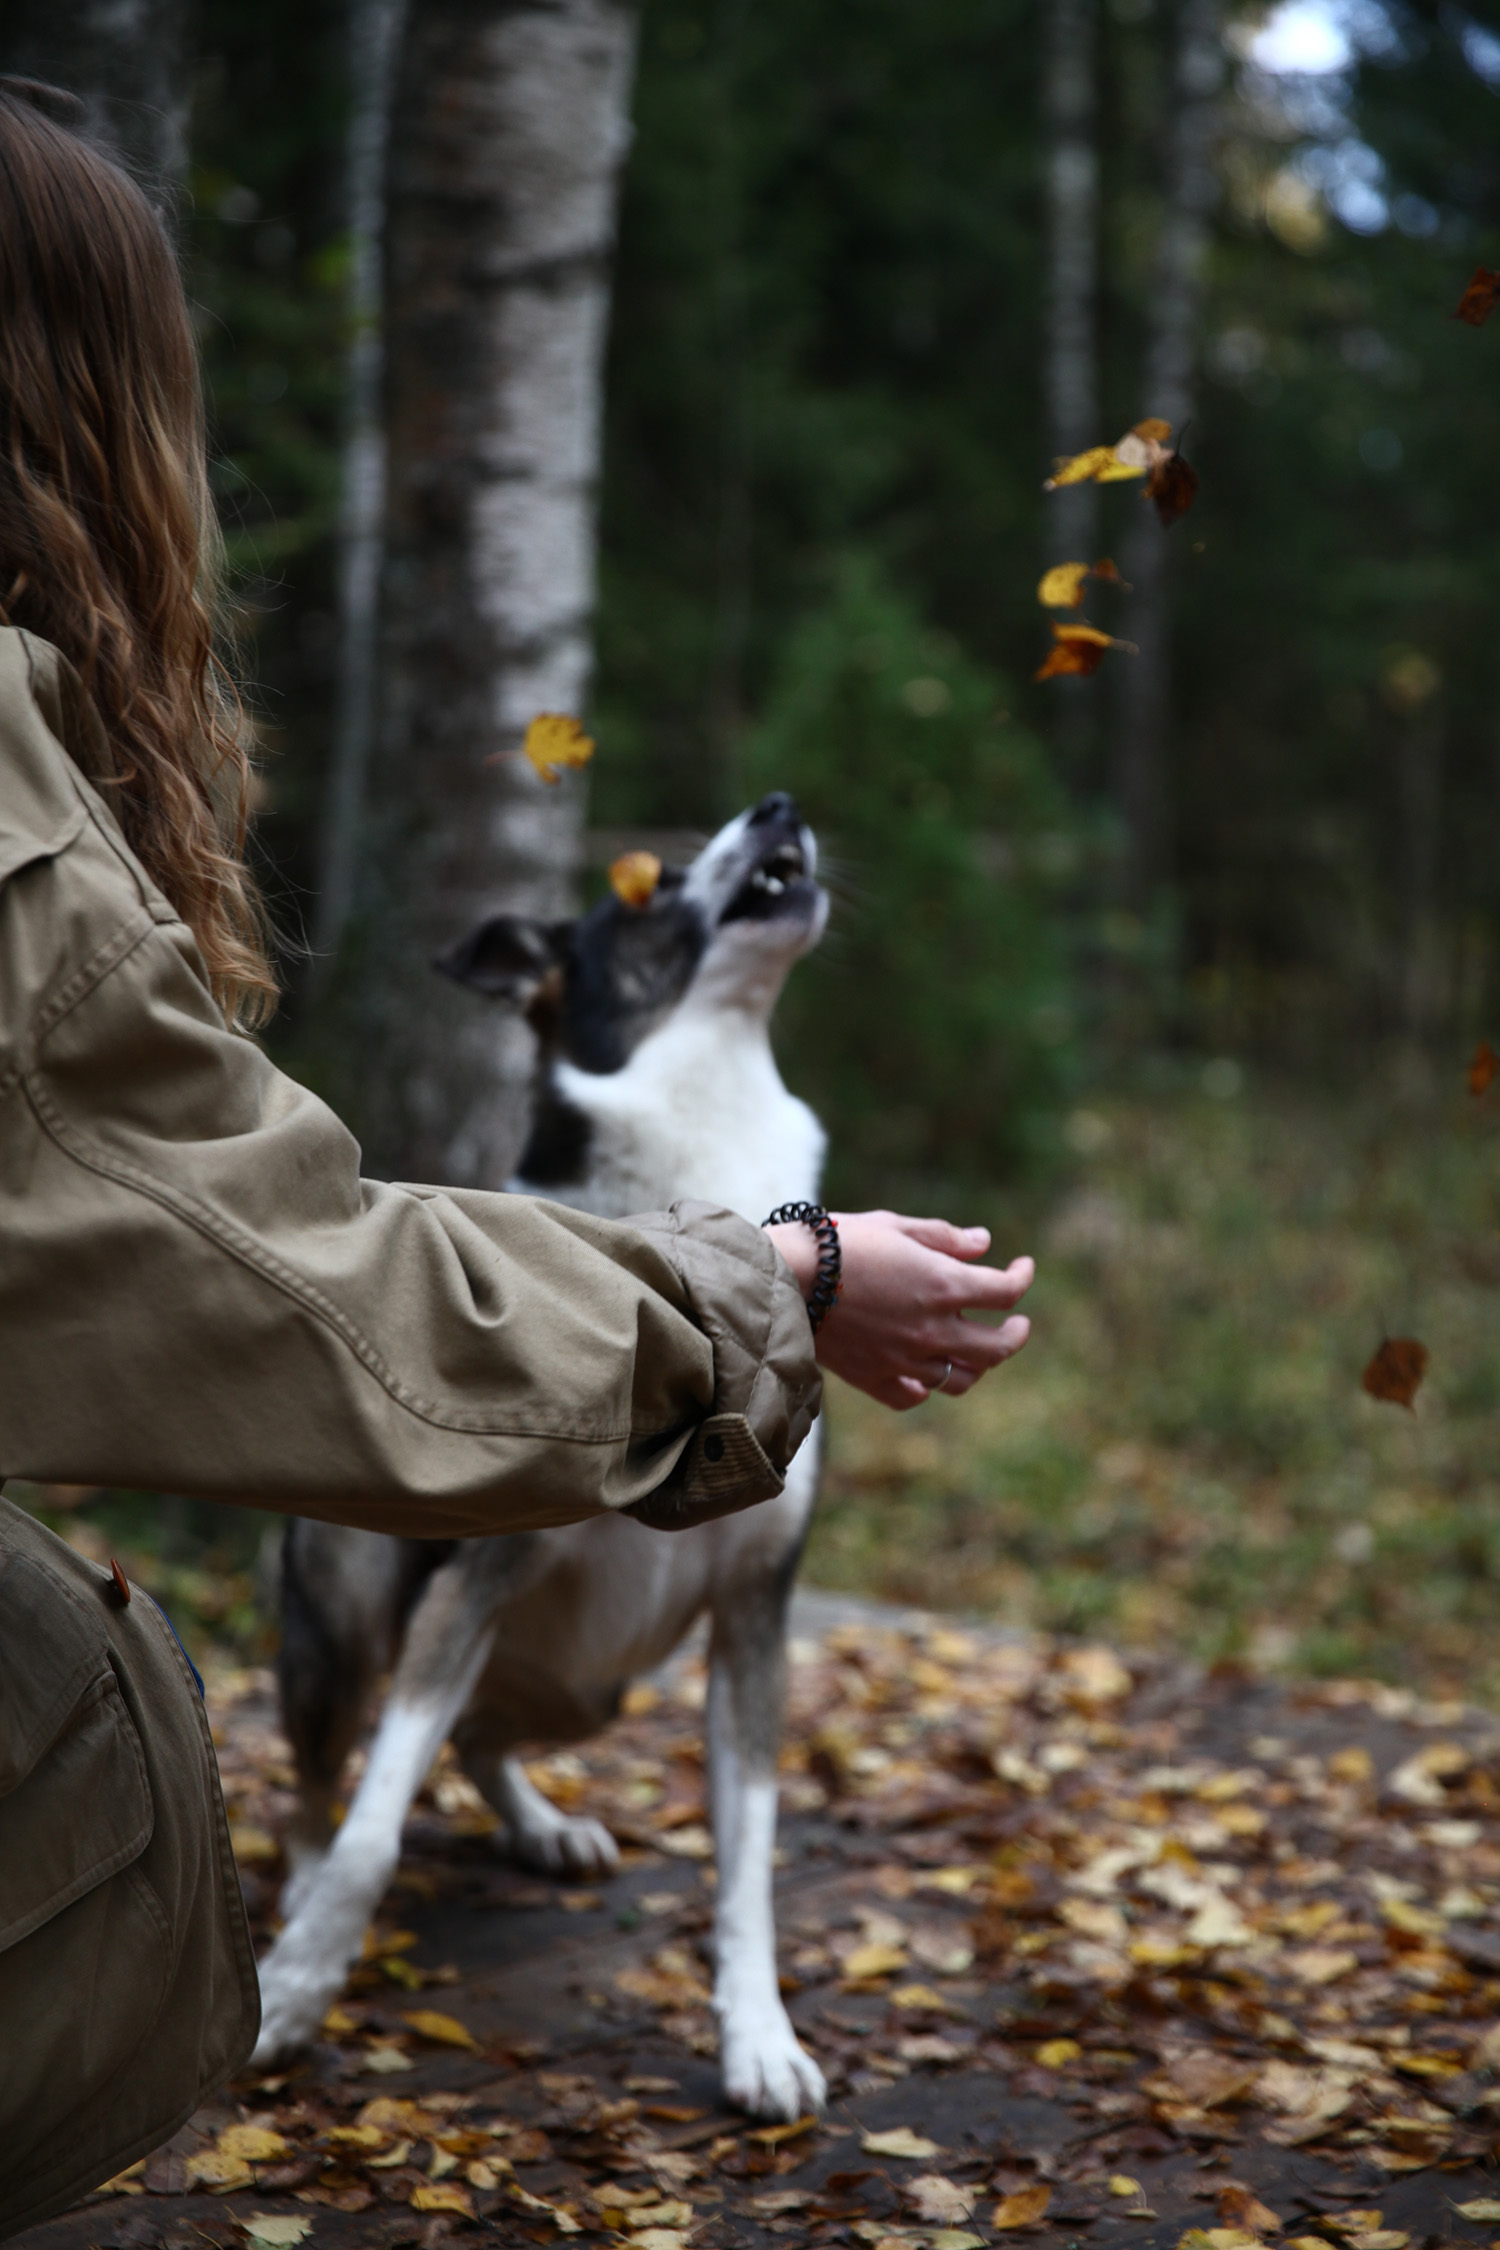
x,y
778,806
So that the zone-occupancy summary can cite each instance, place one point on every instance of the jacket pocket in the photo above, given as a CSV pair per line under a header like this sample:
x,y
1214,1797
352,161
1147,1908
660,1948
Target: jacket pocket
x,y
83,1959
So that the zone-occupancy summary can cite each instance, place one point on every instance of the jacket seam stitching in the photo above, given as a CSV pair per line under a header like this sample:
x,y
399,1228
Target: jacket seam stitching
x,y
77,1147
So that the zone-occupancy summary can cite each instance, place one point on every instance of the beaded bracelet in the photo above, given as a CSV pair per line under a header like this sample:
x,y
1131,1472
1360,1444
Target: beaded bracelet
x,y
825,1293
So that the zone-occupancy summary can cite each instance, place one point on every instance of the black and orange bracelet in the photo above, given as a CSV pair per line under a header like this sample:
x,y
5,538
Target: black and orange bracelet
x,y
825,1291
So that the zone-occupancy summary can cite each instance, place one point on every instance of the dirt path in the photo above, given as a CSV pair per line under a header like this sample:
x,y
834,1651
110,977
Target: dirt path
x,y
1117,1954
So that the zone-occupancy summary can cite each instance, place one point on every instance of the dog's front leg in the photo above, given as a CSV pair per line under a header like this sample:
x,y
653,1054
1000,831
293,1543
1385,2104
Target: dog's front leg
x,y
447,1643
765,2068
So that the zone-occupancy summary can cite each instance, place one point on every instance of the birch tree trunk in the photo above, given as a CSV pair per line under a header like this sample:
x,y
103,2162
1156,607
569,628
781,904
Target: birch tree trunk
x,y
509,127
1073,410
375,31
1168,390
127,59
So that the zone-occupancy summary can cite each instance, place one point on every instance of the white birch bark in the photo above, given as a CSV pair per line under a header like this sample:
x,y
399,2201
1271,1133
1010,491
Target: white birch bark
x,y
1175,315
509,128
1073,409
375,30
126,59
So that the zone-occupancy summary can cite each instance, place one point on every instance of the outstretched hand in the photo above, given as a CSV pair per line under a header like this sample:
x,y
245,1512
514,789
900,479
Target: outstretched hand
x,y
898,1330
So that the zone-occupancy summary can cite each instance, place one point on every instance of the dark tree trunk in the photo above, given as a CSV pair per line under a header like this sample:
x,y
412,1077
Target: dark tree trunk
x,y
1073,410
1191,190
128,61
509,127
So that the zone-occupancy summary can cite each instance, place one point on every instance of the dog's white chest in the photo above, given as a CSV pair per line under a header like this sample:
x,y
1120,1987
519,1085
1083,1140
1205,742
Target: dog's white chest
x,y
699,1110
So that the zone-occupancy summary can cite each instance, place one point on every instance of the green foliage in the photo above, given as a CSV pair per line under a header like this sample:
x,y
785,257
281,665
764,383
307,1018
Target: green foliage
x,y
932,1030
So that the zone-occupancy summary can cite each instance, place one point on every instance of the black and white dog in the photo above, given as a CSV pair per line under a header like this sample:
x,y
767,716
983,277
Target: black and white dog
x,y
655,1081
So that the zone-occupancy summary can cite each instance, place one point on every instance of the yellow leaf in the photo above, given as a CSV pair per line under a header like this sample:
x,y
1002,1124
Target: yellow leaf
x,y
252,1845
256,2144
1062,586
1021,2209
443,2199
1413,1921
874,1961
444,2031
358,2136
339,2024
1083,468
564,2222
1055,2054
901,2141
1482,2207
918,1996
772,2136
383,2058
480,2171
1120,2183
633,877
553,741
397,2154
221,2174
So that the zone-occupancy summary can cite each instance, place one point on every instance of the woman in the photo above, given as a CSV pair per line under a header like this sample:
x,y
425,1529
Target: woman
x,y
197,1291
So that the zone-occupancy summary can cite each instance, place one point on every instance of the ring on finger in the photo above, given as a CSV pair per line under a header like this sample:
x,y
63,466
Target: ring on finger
x,y
942,1382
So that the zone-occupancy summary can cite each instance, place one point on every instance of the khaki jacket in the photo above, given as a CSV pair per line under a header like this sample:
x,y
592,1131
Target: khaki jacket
x,y
199,1294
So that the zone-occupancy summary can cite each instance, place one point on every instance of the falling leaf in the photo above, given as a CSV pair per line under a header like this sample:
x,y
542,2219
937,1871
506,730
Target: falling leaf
x,y
277,2230
1137,453
1173,486
1395,1373
553,741
1484,1069
443,2031
1023,2208
900,2140
1062,586
1079,650
633,877
1478,302
1086,468
429,2198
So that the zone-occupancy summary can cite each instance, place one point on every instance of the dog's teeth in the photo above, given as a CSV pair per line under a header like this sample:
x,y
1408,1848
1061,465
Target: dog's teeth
x,y
775,885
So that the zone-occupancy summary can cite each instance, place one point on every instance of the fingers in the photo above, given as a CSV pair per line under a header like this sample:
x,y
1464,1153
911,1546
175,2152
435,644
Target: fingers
x,y
995,1288
938,1234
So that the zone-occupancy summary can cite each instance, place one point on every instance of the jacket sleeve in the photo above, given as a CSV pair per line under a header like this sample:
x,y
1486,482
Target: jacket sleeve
x,y
198,1293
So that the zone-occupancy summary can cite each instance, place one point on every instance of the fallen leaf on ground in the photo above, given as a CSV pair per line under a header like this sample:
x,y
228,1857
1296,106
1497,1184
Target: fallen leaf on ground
x,y
1395,1373
1480,298
1023,2208
1481,2207
564,2222
1484,1068
221,2174
382,2058
277,2230
553,741
433,2198
772,2136
634,877
874,1961
256,2144
938,2199
900,2140
443,2031
1078,651
1242,2207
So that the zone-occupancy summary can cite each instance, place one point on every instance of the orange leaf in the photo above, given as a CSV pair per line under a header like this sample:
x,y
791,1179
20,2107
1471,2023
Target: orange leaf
x,y
633,877
553,741
1484,1069
1173,485
443,2199
1480,298
1079,650
1395,1373
1109,572
1022,2209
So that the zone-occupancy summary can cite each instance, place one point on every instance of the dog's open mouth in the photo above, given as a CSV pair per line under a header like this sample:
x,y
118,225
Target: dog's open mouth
x,y
779,885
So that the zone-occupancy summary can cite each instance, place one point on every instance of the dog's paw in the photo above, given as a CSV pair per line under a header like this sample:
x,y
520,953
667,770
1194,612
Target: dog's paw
x,y
297,1988
564,1846
764,2065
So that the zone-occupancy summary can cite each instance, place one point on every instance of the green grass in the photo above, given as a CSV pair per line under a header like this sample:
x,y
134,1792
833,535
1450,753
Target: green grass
x,y
1184,1457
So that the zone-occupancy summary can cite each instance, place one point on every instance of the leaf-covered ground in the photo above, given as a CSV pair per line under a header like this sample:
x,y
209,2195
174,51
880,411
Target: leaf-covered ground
x,y
1090,1956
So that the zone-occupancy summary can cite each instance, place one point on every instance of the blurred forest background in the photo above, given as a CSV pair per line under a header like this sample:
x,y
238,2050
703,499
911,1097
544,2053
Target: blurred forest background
x,y
1170,974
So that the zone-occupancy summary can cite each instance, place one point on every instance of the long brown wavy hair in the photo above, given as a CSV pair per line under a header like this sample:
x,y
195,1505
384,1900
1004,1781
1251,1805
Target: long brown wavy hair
x,y
108,543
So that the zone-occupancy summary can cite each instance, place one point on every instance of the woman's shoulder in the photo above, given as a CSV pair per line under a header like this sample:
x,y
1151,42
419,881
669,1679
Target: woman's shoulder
x,y
41,789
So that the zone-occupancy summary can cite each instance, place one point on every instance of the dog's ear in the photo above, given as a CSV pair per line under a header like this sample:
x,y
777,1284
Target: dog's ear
x,y
507,958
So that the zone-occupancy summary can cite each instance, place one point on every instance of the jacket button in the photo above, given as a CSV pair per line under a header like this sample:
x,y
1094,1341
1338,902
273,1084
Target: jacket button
x,y
713,1449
